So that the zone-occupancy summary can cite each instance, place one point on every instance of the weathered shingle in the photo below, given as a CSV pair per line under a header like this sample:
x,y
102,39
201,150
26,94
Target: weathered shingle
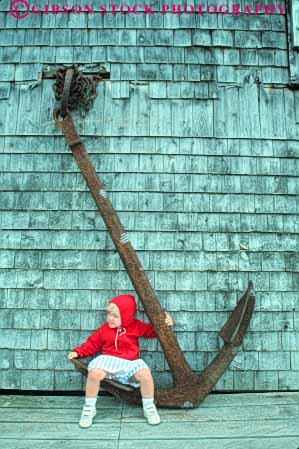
x,y
195,137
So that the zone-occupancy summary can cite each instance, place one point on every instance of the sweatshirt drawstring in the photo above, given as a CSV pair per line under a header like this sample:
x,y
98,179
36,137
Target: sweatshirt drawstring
x,y
120,331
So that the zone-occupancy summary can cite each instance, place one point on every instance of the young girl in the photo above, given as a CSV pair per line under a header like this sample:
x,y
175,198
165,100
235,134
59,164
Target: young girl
x,y
117,340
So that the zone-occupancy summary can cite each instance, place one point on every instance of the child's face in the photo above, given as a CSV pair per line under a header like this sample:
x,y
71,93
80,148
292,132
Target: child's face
x,y
113,320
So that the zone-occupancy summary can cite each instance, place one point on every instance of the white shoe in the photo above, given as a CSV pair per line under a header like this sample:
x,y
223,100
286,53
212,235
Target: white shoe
x,y
88,413
151,414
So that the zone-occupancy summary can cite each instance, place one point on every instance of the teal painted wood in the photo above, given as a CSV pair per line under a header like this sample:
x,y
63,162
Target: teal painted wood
x,y
196,138
53,402
248,420
200,431
60,431
56,444
104,415
246,443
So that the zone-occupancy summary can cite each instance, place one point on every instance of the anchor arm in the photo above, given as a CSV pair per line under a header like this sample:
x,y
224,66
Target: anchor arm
x,y
210,376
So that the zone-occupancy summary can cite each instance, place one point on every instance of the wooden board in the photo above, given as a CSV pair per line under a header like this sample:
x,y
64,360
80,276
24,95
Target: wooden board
x,y
207,430
223,421
218,414
53,402
59,444
37,415
58,431
224,443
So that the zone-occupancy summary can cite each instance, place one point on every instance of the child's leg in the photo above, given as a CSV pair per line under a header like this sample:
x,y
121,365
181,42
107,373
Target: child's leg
x,y
144,376
94,378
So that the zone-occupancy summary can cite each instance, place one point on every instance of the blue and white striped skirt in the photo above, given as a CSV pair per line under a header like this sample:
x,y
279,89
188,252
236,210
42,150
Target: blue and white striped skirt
x,y
119,369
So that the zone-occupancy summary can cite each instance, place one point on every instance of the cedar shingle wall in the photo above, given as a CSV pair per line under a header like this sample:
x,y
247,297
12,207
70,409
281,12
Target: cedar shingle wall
x,y
196,137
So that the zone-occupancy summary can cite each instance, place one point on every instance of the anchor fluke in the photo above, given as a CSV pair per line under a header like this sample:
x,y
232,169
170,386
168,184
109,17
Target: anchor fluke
x,y
236,326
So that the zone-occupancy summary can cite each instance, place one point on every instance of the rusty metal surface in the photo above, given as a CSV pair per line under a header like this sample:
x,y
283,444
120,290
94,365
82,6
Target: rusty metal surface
x,y
66,92
235,328
74,89
188,388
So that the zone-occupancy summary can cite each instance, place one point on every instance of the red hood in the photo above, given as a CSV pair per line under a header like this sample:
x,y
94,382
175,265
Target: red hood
x,y
127,308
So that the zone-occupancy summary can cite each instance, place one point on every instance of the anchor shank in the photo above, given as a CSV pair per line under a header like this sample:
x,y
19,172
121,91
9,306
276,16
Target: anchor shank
x,y
180,369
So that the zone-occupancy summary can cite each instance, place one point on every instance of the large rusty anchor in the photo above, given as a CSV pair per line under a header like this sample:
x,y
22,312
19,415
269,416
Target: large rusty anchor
x,y
188,389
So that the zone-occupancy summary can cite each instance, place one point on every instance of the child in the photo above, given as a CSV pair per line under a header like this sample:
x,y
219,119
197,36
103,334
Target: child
x,y
117,340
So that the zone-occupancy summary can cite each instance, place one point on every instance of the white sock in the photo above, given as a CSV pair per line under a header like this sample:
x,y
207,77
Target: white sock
x,y
147,401
91,401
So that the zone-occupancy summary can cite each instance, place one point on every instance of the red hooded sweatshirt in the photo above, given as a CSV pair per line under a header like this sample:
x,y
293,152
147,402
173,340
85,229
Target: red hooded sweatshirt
x,y
122,341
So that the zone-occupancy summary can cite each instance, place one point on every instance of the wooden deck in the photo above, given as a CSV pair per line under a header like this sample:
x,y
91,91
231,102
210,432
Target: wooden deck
x,y
223,421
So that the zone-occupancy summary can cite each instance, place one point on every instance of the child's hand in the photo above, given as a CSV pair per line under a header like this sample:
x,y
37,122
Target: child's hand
x,y
72,355
168,320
